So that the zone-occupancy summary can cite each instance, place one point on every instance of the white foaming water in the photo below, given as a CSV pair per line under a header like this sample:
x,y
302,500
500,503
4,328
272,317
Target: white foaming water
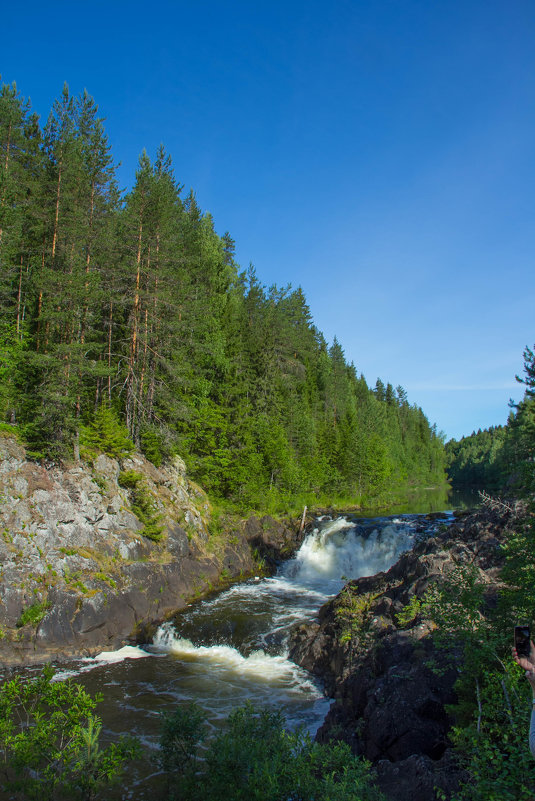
x,y
258,666
244,630
127,652
104,658
340,551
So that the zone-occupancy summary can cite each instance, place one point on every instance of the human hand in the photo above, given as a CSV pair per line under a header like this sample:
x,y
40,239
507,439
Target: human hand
x,y
527,663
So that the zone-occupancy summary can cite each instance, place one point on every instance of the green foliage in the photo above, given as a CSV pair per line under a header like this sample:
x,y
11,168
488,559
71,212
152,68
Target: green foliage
x,y
182,731
254,757
8,430
143,504
410,612
352,615
33,614
492,744
501,457
49,742
477,460
129,479
157,443
127,323
105,433
493,707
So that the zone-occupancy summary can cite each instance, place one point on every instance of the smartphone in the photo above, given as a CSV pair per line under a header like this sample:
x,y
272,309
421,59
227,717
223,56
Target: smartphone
x,y
522,640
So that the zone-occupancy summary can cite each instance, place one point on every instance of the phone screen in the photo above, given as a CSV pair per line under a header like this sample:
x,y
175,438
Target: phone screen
x,y
522,644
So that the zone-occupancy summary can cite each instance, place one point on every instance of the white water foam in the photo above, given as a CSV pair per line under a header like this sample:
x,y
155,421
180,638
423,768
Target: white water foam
x,y
340,551
336,551
257,666
104,658
127,652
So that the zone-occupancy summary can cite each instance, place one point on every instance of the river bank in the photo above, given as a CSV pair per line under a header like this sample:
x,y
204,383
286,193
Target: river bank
x,y
93,557
75,552
378,657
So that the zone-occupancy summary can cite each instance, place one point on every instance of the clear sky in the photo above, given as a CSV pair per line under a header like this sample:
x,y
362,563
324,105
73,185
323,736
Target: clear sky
x,y
380,154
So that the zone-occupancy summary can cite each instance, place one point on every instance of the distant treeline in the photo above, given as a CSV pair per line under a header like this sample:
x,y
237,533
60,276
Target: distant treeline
x,y
500,457
135,305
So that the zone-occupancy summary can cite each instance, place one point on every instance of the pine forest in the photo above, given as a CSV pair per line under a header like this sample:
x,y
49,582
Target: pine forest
x,y
500,458
125,319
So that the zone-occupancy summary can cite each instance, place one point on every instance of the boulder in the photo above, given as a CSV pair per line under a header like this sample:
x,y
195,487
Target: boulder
x,y
391,684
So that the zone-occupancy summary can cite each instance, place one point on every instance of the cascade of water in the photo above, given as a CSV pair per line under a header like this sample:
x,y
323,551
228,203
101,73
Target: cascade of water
x,y
231,648
246,627
344,549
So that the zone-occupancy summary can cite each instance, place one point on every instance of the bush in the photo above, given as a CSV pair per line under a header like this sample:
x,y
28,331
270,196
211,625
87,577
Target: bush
x,y
158,443
49,741
143,504
256,759
493,698
33,614
129,479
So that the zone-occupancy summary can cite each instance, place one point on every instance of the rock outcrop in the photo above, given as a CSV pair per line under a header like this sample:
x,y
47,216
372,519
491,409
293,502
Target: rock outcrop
x,y
390,703
78,574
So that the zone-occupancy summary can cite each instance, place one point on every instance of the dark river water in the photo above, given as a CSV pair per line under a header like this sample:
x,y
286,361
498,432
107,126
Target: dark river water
x,y
231,648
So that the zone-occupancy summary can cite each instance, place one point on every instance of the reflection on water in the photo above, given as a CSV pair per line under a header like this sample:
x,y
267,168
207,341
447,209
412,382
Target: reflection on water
x,y
464,499
231,648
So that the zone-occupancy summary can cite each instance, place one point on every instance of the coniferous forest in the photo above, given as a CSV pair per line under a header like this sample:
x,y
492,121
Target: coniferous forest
x,y
129,310
500,457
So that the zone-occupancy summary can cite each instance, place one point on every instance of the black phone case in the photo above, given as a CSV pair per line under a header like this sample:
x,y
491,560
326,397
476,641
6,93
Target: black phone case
x,y
522,640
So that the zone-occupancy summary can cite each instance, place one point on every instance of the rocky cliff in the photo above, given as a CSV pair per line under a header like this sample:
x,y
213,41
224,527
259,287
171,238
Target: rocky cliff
x,y
92,556
390,700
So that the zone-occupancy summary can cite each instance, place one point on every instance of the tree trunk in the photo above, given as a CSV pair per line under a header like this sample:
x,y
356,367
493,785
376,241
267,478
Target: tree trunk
x,y
130,384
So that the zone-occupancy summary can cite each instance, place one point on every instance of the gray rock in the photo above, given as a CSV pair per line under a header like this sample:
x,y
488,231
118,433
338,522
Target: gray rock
x,y
70,538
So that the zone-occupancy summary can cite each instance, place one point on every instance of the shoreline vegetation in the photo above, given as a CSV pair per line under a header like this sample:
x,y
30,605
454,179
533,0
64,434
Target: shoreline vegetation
x,y
151,393
96,553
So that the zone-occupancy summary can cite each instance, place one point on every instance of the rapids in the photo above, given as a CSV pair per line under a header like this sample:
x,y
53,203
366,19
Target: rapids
x,y
231,648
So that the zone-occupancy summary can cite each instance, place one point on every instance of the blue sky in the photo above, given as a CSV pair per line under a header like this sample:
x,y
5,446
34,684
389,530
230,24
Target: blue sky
x,y
380,154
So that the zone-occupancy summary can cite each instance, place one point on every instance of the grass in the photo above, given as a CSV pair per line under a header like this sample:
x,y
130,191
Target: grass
x,y
33,614
8,430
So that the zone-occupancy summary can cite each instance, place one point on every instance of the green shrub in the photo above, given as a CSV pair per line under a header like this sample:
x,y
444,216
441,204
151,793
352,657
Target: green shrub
x,y
410,612
256,759
158,443
33,614
9,430
129,479
143,504
492,744
49,741
492,711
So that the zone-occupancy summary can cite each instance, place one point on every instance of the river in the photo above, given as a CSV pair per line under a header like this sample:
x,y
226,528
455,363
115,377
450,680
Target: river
x,y
231,648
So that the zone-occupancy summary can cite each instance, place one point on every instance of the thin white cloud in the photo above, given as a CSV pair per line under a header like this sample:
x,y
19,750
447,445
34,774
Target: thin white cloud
x,y
428,387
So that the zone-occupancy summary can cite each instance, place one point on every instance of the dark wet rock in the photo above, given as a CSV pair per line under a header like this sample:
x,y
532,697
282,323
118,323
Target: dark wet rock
x,y
272,539
390,704
416,777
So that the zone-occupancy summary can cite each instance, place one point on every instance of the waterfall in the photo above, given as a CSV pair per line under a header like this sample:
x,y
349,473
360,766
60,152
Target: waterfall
x,y
224,650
